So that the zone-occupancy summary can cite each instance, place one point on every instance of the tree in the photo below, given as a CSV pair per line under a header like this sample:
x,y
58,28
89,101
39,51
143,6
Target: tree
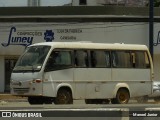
x,y
156,3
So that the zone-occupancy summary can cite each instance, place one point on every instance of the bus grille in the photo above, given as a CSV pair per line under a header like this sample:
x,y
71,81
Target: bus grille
x,y
21,90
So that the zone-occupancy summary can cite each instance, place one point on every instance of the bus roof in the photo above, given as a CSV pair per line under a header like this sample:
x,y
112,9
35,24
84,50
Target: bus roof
x,y
90,45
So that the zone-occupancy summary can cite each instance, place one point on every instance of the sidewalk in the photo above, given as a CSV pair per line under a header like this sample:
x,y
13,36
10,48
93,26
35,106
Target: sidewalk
x,y
9,97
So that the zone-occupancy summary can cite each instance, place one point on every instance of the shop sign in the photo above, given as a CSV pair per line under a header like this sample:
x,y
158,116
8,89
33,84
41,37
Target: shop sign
x,y
25,38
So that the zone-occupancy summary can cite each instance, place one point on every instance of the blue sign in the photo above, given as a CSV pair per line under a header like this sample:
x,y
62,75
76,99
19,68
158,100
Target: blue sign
x,y
23,40
49,36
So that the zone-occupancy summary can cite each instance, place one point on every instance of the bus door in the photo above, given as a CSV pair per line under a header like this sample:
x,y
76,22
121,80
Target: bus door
x,y
58,71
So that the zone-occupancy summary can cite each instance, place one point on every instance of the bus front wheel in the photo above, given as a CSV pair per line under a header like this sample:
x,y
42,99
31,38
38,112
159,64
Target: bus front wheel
x,y
64,96
122,97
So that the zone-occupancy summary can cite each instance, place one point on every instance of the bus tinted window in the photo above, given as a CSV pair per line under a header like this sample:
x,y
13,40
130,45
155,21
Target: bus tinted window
x,y
130,59
100,59
59,60
121,59
140,59
81,58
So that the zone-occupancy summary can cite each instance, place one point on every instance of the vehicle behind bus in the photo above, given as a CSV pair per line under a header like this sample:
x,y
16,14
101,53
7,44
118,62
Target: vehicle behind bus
x,y
61,72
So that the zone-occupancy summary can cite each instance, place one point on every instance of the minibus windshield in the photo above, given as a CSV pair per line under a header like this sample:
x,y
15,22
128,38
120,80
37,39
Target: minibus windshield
x,y
32,59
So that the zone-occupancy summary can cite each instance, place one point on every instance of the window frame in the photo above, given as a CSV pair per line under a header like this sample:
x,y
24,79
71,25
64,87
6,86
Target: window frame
x,y
133,65
86,61
104,51
60,67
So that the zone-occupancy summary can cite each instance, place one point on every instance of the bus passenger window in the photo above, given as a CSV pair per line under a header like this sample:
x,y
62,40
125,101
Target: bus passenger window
x,y
108,62
81,58
141,60
59,60
121,59
147,60
98,59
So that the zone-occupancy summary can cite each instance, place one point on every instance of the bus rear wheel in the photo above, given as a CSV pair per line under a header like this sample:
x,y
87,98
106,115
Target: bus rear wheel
x,y
64,96
122,97
157,99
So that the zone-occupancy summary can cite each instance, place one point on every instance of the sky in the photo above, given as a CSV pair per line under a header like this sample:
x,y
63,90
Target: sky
x,y
9,3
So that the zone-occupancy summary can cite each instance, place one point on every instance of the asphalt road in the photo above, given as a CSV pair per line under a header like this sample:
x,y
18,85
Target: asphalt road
x,y
78,104
80,111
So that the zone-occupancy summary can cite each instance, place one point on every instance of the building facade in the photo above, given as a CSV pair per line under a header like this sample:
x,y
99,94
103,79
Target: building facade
x,y
23,29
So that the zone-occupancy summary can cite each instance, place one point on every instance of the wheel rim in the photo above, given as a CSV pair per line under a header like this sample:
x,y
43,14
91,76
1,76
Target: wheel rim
x,y
64,97
123,97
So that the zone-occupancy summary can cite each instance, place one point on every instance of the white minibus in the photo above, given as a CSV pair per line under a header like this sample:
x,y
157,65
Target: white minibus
x,y
60,72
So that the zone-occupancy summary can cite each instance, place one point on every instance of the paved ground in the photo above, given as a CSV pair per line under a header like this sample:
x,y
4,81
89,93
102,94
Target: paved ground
x,y
9,97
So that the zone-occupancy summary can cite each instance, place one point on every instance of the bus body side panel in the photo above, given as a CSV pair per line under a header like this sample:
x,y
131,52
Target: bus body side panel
x,y
138,80
92,83
53,80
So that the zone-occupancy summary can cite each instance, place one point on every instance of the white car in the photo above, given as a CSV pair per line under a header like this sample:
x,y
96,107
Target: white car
x,y
155,95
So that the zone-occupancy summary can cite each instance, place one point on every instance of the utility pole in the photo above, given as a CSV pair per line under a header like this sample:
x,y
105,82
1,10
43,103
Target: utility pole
x,y
151,26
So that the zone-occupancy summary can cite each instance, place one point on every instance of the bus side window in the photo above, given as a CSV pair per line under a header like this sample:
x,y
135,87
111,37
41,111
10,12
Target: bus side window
x,y
98,59
59,60
114,59
93,60
121,59
141,60
81,58
108,59
147,62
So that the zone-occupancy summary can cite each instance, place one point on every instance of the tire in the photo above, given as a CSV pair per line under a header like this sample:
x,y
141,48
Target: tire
x,y
113,101
157,99
64,96
122,97
35,100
